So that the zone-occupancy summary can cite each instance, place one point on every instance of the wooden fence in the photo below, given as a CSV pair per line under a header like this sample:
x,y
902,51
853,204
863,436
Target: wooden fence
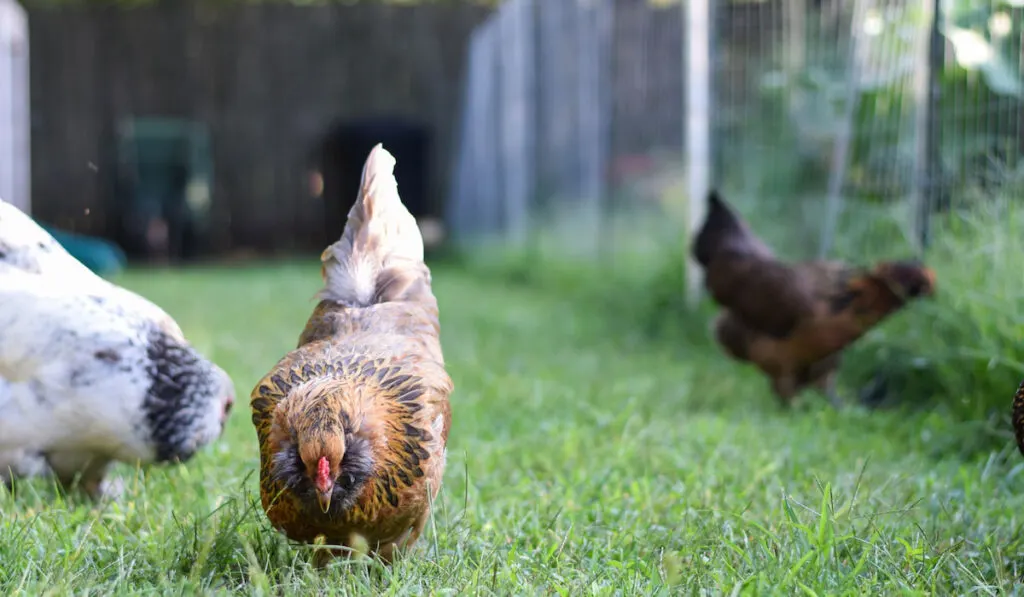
x,y
267,79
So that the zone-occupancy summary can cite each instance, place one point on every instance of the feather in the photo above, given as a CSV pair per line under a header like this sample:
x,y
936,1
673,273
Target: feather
x,y
1017,417
792,320
24,245
380,241
366,389
91,372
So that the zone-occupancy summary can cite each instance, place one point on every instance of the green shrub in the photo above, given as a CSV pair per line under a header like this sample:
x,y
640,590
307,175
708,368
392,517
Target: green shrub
x,y
962,351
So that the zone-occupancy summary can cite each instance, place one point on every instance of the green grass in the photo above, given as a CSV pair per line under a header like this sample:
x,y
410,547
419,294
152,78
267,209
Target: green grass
x,y
584,459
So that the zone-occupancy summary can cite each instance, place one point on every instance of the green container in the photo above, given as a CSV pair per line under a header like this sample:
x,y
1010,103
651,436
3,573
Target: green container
x,y
99,255
165,174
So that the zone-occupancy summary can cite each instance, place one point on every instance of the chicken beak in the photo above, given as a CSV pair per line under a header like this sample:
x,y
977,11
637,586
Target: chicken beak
x,y
324,497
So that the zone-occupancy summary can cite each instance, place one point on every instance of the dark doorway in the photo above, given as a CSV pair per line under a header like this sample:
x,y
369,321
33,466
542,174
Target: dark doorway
x,y
342,152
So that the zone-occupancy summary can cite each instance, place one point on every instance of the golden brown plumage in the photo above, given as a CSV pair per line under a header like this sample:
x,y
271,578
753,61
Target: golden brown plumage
x,y
353,424
793,320
1017,417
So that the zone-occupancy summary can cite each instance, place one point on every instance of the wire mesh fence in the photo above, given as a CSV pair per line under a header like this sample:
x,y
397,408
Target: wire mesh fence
x,y
566,103
839,123
853,116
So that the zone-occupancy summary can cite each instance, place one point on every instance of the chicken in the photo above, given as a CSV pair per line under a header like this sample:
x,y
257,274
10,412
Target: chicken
x,y
27,246
91,373
353,424
793,321
1017,417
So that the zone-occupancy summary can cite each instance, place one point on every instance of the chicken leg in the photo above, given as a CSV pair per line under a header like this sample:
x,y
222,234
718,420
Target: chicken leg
x,y
827,385
824,374
88,469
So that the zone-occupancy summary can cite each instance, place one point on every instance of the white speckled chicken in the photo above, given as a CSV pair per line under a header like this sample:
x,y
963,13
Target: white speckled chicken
x,y
91,373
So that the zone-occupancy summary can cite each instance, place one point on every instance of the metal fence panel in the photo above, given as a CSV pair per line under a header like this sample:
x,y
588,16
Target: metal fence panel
x,y
839,122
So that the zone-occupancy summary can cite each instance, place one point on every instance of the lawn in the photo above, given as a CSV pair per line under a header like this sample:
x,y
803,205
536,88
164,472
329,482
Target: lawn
x,y
582,460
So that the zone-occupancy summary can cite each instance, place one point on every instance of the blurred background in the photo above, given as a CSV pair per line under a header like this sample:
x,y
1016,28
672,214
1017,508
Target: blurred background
x,y
560,142
195,129
810,108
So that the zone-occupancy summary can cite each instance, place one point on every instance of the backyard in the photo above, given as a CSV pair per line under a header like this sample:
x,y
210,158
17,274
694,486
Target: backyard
x,y
585,458
556,155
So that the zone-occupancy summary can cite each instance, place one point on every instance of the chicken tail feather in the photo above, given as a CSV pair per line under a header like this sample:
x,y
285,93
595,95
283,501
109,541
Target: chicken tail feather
x,y
379,257
724,229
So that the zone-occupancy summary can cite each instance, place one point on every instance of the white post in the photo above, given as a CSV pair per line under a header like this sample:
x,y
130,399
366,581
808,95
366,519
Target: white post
x,y
513,36
697,28
14,106
924,131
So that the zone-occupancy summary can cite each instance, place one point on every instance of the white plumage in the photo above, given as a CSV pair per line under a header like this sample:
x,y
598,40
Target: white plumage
x,y
26,246
351,277
91,372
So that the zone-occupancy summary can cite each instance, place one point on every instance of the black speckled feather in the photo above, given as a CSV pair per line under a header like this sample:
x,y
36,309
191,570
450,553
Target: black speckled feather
x,y
363,400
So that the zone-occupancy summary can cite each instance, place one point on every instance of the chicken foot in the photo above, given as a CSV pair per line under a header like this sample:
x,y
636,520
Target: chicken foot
x,y
821,375
385,552
824,374
785,389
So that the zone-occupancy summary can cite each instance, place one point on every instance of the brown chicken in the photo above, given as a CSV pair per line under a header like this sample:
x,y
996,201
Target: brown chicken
x,y
1017,417
353,424
792,321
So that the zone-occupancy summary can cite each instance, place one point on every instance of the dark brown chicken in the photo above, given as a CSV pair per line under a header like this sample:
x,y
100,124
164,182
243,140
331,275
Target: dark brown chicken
x,y
1017,417
353,424
792,321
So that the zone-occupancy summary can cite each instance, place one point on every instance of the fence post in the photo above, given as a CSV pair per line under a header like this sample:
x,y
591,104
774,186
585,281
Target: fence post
x,y
927,166
490,130
514,46
540,116
698,35
15,156
585,121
